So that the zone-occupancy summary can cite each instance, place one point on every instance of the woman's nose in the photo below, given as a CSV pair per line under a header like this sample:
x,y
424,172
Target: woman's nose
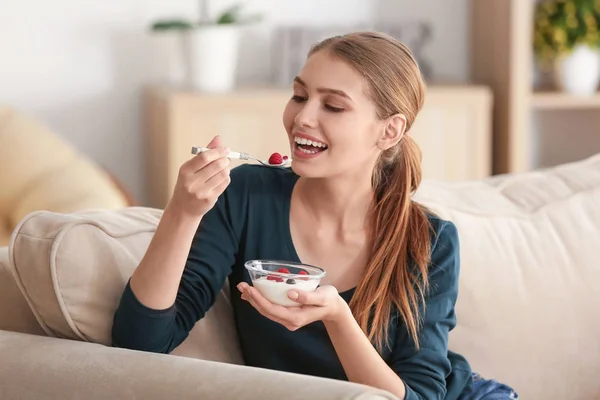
x,y
307,116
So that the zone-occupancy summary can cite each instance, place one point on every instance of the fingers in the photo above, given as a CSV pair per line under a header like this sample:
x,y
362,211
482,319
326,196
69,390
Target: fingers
x,y
265,308
208,183
220,188
201,160
290,317
213,174
215,143
202,168
264,304
321,297
202,179
216,151
322,304
308,298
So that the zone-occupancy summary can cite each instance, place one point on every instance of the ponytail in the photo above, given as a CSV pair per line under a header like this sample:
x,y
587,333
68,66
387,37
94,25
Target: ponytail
x,y
397,274
396,277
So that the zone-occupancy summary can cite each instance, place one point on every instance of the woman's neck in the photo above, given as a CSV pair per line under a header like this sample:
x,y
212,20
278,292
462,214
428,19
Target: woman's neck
x,y
339,203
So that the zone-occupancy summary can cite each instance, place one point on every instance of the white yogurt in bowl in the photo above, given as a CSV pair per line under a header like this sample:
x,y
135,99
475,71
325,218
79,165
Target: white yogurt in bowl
x,y
274,279
277,292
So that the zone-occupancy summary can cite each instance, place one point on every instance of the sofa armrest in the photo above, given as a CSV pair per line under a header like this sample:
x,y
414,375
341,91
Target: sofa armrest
x,y
43,367
15,314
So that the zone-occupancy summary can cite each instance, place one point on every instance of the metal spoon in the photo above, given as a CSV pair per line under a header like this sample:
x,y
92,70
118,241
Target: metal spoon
x,y
239,156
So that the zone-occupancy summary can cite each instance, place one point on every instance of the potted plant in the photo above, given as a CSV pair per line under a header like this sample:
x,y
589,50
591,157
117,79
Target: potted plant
x,y
168,53
211,46
566,37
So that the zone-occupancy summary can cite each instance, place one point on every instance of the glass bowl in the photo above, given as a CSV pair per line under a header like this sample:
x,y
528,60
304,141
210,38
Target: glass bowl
x,y
273,279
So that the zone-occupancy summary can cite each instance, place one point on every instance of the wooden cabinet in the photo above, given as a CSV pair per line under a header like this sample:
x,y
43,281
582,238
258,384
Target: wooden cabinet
x,y
453,130
502,58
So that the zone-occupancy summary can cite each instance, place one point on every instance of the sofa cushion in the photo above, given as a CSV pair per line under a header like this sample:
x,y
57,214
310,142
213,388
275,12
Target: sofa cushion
x,y
72,269
530,272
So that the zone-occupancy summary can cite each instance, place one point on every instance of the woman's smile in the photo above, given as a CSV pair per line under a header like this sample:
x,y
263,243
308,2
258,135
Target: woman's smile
x,y
307,147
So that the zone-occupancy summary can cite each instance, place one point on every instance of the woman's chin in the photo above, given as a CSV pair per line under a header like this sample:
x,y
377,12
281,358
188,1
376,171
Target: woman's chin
x,y
311,170
306,171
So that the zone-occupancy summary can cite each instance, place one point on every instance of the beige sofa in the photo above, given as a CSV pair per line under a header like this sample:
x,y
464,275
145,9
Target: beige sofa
x,y
528,305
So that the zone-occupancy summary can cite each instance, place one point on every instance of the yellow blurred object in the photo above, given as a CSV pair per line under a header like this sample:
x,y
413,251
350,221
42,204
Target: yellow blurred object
x,y
39,171
559,26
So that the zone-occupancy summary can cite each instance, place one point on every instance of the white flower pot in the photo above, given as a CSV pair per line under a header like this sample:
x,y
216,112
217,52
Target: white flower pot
x,y
213,56
168,56
579,72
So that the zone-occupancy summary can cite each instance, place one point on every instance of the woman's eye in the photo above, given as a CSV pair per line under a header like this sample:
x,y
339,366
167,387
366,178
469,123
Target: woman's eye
x,y
333,109
298,99
302,99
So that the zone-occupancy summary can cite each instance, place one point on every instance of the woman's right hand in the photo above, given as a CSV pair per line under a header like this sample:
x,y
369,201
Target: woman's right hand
x,y
201,180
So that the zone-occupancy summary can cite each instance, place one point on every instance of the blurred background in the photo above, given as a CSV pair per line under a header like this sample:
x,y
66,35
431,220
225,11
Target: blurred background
x,y
116,92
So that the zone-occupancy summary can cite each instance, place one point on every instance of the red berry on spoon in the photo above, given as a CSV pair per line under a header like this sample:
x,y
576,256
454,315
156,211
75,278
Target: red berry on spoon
x,y
275,159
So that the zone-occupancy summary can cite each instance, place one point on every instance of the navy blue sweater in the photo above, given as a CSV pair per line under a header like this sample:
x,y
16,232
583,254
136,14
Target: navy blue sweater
x,y
251,221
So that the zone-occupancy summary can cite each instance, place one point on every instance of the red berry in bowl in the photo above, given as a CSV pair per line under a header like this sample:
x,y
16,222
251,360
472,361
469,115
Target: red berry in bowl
x,y
283,270
275,159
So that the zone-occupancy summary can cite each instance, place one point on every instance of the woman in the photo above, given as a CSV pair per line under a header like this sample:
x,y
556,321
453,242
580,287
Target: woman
x,y
383,312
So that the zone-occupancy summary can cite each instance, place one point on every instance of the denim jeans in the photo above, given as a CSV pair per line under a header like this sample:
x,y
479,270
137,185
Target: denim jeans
x,y
489,389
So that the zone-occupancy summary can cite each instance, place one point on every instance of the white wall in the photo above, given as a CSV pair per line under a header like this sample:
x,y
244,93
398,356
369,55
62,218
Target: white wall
x,y
79,65
449,19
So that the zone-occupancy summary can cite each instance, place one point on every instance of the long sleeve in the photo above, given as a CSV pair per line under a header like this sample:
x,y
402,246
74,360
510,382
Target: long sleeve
x,y
210,261
424,372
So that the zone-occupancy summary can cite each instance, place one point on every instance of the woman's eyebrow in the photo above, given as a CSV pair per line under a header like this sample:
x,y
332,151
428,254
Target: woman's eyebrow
x,y
323,90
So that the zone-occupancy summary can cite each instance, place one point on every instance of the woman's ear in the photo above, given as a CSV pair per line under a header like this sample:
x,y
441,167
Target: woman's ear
x,y
394,128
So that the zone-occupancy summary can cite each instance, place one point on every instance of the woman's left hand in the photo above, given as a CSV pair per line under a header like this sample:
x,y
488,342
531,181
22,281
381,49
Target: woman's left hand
x,y
324,304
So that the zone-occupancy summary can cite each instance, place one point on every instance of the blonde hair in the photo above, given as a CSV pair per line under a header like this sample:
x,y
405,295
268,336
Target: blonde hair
x,y
397,274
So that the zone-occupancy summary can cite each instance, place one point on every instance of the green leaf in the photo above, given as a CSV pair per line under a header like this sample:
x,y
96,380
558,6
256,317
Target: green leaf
x,y
171,24
230,15
559,25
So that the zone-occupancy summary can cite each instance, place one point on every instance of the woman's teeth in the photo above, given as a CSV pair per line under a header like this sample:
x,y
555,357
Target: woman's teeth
x,y
304,141
309,146
304,150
